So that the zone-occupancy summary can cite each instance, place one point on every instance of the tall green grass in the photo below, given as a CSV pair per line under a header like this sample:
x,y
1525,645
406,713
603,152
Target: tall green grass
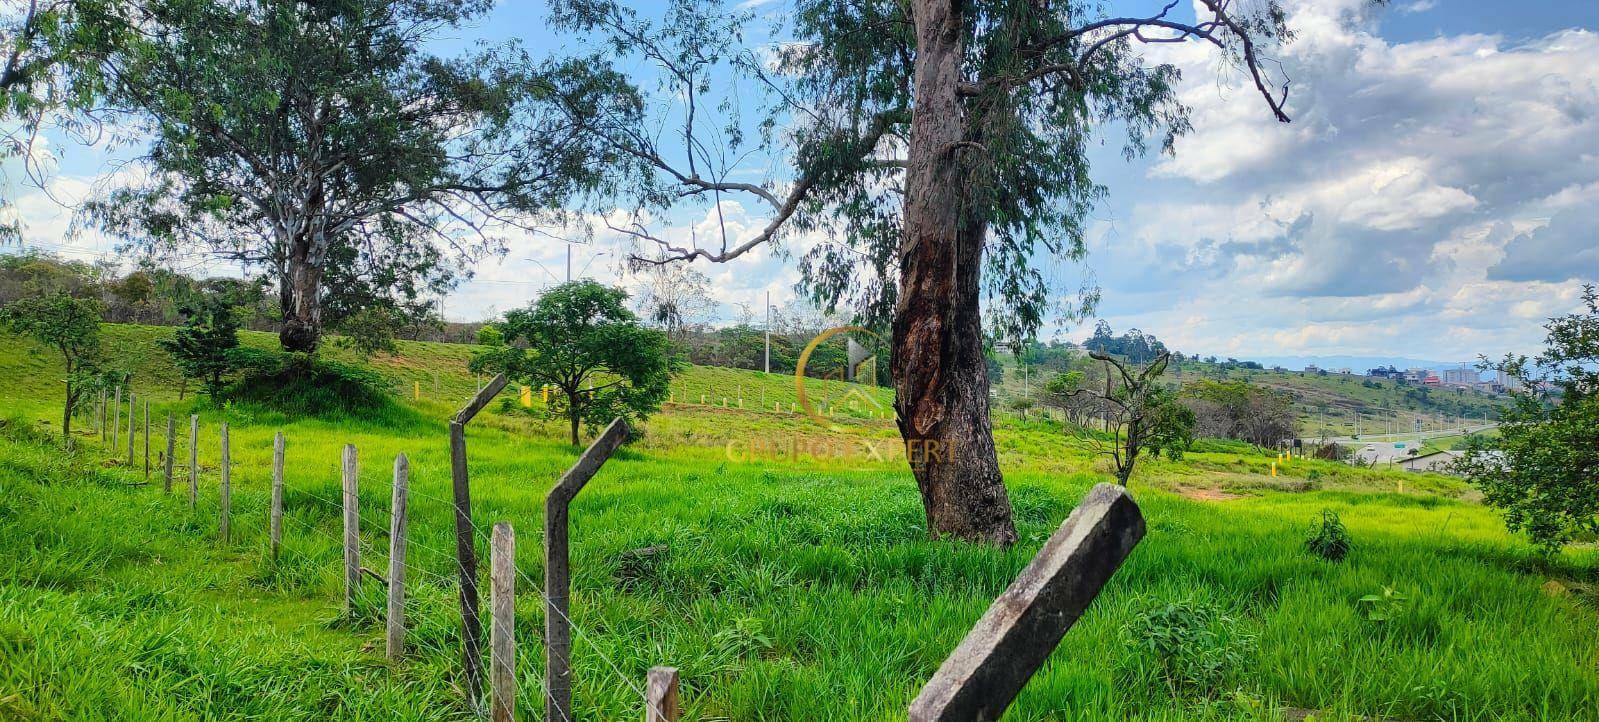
x,y
787,589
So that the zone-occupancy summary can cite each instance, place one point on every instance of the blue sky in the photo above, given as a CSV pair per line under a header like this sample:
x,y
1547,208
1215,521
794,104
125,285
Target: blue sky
x,y
1435,196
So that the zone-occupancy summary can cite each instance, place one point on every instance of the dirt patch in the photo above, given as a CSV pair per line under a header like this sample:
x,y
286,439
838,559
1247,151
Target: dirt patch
x,y
1207,494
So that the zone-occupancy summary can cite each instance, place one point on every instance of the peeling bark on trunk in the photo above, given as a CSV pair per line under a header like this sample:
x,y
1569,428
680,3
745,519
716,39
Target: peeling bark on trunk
x,y
940,375
301,296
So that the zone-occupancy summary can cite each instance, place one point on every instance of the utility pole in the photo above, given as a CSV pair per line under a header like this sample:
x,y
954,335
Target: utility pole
x,y
768,332
569,262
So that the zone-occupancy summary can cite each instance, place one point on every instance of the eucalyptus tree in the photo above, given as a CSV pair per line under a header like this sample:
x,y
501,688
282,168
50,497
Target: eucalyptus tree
x,y
50,58
935,153
324,145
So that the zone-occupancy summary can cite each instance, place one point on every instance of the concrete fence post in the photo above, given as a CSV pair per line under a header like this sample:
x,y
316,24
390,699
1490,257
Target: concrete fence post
x,y
660,695
194,459
978,681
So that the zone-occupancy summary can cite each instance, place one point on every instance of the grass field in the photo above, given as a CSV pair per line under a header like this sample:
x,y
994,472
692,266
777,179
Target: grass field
x,y
791,586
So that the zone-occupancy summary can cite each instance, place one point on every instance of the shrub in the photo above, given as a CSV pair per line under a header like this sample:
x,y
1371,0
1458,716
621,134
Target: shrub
x,y
1329,539
1197,648
300,384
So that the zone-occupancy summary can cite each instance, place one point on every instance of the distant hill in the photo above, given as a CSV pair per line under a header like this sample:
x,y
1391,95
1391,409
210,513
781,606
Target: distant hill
x,y
1358,364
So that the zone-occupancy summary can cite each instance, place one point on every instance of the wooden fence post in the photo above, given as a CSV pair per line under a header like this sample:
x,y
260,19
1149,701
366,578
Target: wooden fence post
x,y
99,408
275,516
226,487
397,523
660,695
558,572
116,419
502,601
465,546
1020,629
194,459
171,447
352,529
146,439
131,403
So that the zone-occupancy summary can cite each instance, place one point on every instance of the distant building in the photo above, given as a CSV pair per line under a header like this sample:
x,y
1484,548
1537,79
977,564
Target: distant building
x,y
1417,375
1345,371
1461,377
1312,369
1432,380
1442,462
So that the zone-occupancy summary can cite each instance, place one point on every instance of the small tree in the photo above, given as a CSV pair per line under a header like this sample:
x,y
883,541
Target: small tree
x,y
581,338
1140,414
1543,470
69,325
205,347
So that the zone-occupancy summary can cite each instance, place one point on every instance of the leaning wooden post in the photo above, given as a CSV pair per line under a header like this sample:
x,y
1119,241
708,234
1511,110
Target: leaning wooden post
x,y
660,695
502,643
396,615
275,515
166,485
558,572
465,546
352,529
226,487
116,419
1020,629
194,459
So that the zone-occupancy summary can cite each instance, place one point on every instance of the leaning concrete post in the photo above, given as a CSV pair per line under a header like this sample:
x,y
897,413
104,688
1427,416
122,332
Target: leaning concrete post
x,y
1020,629
558,573
660,695
502,643
275,514
352,529
226,487
166,470
194,459
465,547
397,522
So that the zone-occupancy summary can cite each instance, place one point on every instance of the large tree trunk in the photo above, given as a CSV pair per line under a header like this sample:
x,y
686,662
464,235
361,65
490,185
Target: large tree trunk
x,y
940,375
300,294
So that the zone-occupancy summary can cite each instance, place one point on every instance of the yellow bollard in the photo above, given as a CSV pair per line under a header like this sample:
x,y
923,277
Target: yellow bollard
x,y
1274,469
527,397
416,390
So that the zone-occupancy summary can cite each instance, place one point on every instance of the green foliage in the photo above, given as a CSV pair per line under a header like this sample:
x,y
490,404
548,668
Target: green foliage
x,y
581,338
1241,410
370,331
1384,606
326,145
1328,538
1198,649
1543,469
304,385
70,327
206,347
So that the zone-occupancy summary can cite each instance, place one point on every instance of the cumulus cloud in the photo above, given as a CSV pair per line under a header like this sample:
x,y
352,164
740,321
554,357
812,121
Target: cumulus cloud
x,y
1417,180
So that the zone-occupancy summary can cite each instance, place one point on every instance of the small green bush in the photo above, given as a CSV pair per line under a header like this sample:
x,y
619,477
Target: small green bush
x,y
1197,649
299,384
1329,539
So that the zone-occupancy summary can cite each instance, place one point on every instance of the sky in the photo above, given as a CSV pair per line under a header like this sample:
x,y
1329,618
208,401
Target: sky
x,y
1434,197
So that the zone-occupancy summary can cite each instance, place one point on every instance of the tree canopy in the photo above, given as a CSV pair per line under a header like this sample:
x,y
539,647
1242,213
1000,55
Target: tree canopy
x,y
1543,470
70,327
324,146
580,338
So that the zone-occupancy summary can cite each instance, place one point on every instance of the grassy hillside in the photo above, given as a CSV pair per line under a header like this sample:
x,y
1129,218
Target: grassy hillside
x,y
1327,404
792,586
